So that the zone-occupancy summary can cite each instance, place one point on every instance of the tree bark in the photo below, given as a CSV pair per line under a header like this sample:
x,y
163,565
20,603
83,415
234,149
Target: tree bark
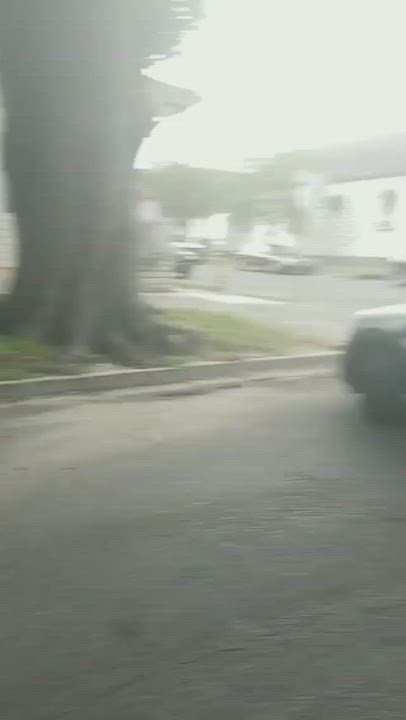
x,y
76,116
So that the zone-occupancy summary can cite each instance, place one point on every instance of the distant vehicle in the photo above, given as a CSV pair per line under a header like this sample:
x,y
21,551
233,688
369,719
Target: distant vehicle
x,y
275,259
188,254
375,361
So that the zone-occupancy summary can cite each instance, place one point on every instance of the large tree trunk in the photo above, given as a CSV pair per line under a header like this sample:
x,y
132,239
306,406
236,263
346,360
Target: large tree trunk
x,y
76,116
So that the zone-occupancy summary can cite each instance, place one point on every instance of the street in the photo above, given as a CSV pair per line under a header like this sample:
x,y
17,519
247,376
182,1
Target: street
x,y
317,306
236,555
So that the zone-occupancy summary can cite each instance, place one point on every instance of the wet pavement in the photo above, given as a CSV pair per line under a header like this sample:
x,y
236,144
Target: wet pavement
x,y
236,555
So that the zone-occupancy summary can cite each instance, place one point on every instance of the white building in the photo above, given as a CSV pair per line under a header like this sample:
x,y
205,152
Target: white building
x,y
367,218
357,200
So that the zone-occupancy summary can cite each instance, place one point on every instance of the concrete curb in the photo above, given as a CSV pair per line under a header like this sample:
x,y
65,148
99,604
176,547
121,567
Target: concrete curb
x,y
205,387
231,370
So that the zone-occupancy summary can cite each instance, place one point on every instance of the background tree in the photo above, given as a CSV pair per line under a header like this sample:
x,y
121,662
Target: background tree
x,y
189,192
77,113
266,192
272,187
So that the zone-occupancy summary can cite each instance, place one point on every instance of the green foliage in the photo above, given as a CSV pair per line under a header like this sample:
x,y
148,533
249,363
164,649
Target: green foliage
x,y
273,184
23,357
187,192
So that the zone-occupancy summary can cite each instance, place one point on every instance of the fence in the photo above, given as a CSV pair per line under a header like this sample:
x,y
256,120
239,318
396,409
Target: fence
x,y
157,274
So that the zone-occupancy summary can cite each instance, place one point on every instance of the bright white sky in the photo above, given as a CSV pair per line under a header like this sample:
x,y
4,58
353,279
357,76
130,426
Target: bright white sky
x,y
279,74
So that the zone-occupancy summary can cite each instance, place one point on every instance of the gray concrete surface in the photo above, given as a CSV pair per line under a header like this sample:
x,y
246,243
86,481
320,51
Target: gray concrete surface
x,y
235,556
318,305
182,378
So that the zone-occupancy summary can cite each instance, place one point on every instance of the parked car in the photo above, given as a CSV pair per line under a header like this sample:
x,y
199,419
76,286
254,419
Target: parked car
x,y
275,259
291,264
375,361
187,256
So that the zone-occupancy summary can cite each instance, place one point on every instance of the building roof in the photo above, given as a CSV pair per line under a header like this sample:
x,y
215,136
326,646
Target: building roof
x,y
378,157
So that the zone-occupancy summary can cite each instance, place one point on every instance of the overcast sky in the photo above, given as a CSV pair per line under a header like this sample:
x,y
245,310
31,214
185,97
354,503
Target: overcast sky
x,y
278,74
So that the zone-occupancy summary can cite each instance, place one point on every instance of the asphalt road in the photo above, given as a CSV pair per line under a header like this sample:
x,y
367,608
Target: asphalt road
x,y
320,305
237,555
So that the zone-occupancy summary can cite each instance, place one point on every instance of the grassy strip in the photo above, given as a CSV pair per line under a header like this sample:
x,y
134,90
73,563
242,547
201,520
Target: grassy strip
x,y
219,336
233,336
22,358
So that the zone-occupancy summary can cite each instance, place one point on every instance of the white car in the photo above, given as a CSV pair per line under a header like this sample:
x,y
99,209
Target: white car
x,y
275,259
375,361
